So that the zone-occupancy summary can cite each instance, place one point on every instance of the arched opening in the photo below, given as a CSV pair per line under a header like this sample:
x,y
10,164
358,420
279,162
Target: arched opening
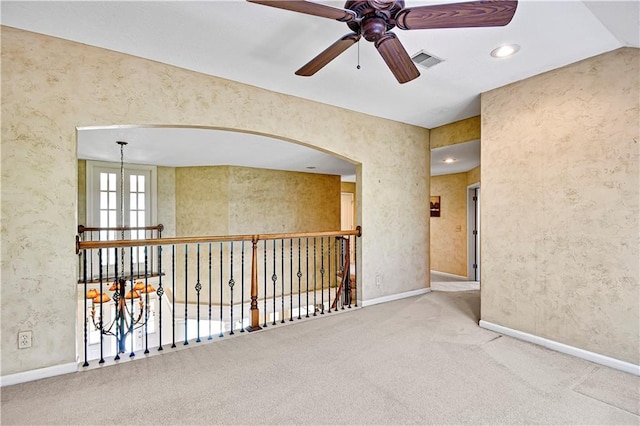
x,y
178,148
201,182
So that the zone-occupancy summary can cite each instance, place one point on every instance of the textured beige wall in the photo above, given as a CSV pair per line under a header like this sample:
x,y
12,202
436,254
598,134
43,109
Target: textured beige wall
x,y
167,200
448,251
272,201
473,176
202,197
82,192
457,132
50,86
560,174
227,200
348,187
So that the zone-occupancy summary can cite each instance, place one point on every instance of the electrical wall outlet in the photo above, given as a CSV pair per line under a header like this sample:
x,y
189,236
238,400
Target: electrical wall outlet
x,y
378,280
24,339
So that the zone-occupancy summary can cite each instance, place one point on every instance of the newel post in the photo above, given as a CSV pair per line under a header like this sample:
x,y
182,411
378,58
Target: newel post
x,y
255,312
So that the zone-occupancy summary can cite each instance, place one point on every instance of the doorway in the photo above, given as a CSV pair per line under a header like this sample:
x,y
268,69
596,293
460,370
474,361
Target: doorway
x,y
473,232
347,211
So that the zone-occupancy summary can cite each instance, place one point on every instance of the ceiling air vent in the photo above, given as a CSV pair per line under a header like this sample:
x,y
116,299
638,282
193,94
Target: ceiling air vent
x,y
425,60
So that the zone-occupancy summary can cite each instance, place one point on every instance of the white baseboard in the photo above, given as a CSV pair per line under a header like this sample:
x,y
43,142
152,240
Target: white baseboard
x,y
561,347
40,373
395,297
446,274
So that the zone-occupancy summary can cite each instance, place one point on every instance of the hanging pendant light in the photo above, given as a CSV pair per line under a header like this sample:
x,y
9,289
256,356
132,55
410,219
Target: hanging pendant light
x,y
132,294
148,289
93,293
125,322
103,298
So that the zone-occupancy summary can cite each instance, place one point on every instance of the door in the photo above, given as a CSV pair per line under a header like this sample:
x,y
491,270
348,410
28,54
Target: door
x,y
473,237
346,211
347,218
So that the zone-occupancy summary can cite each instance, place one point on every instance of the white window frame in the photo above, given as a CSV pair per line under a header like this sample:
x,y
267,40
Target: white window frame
x,y
93,193
93,188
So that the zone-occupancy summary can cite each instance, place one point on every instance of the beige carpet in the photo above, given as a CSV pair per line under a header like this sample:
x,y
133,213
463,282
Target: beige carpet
x,y
422,360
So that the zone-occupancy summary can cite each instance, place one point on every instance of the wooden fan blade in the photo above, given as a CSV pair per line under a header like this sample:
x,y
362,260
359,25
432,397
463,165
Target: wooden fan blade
x,y
492,13
397,58
328,55
310,8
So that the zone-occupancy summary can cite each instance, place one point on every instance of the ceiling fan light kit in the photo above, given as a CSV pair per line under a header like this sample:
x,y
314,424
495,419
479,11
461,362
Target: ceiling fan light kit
x,y
374,19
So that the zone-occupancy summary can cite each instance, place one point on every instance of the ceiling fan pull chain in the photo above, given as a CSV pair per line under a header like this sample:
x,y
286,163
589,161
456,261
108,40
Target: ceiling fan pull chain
x,y
358,66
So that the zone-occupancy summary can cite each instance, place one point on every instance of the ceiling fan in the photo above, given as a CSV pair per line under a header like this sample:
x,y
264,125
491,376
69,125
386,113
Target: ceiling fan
x,y
373,20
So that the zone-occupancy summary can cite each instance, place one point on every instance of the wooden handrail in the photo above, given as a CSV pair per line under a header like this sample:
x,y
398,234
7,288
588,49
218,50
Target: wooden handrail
x,y
92,245
82,228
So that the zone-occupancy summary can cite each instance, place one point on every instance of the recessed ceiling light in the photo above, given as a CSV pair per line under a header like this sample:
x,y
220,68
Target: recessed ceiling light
x,y
449,160
505,50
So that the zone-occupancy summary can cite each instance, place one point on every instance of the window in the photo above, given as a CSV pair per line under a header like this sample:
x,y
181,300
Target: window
x,y
104,210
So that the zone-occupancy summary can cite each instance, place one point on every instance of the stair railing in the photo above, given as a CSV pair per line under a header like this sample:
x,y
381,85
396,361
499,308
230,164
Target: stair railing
x,y
291,275
348,280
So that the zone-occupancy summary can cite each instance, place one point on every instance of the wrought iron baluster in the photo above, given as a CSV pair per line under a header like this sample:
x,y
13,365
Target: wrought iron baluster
x,y
132,354
338,267
315,260
355,266
210,292
100,260
344,279
282,281
160,292
329,261
116,298
231,284
146,300
120,304
198,288
265,284
173,295
307,263
151,262
148,235
91,254
101,322
186,294
348,266
299,274
86,319
322,274
242,290
274,278
290,279
138,260
221,322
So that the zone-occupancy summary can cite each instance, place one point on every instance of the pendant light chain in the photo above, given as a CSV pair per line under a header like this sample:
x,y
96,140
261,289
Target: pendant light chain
x,y
122,144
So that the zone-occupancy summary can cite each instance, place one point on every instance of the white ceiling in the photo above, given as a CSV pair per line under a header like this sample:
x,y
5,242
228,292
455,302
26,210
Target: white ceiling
x,y
263,46
466,156
183,146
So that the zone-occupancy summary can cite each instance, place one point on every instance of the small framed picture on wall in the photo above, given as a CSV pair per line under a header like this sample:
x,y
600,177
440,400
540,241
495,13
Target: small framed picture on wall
x,y
434,205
